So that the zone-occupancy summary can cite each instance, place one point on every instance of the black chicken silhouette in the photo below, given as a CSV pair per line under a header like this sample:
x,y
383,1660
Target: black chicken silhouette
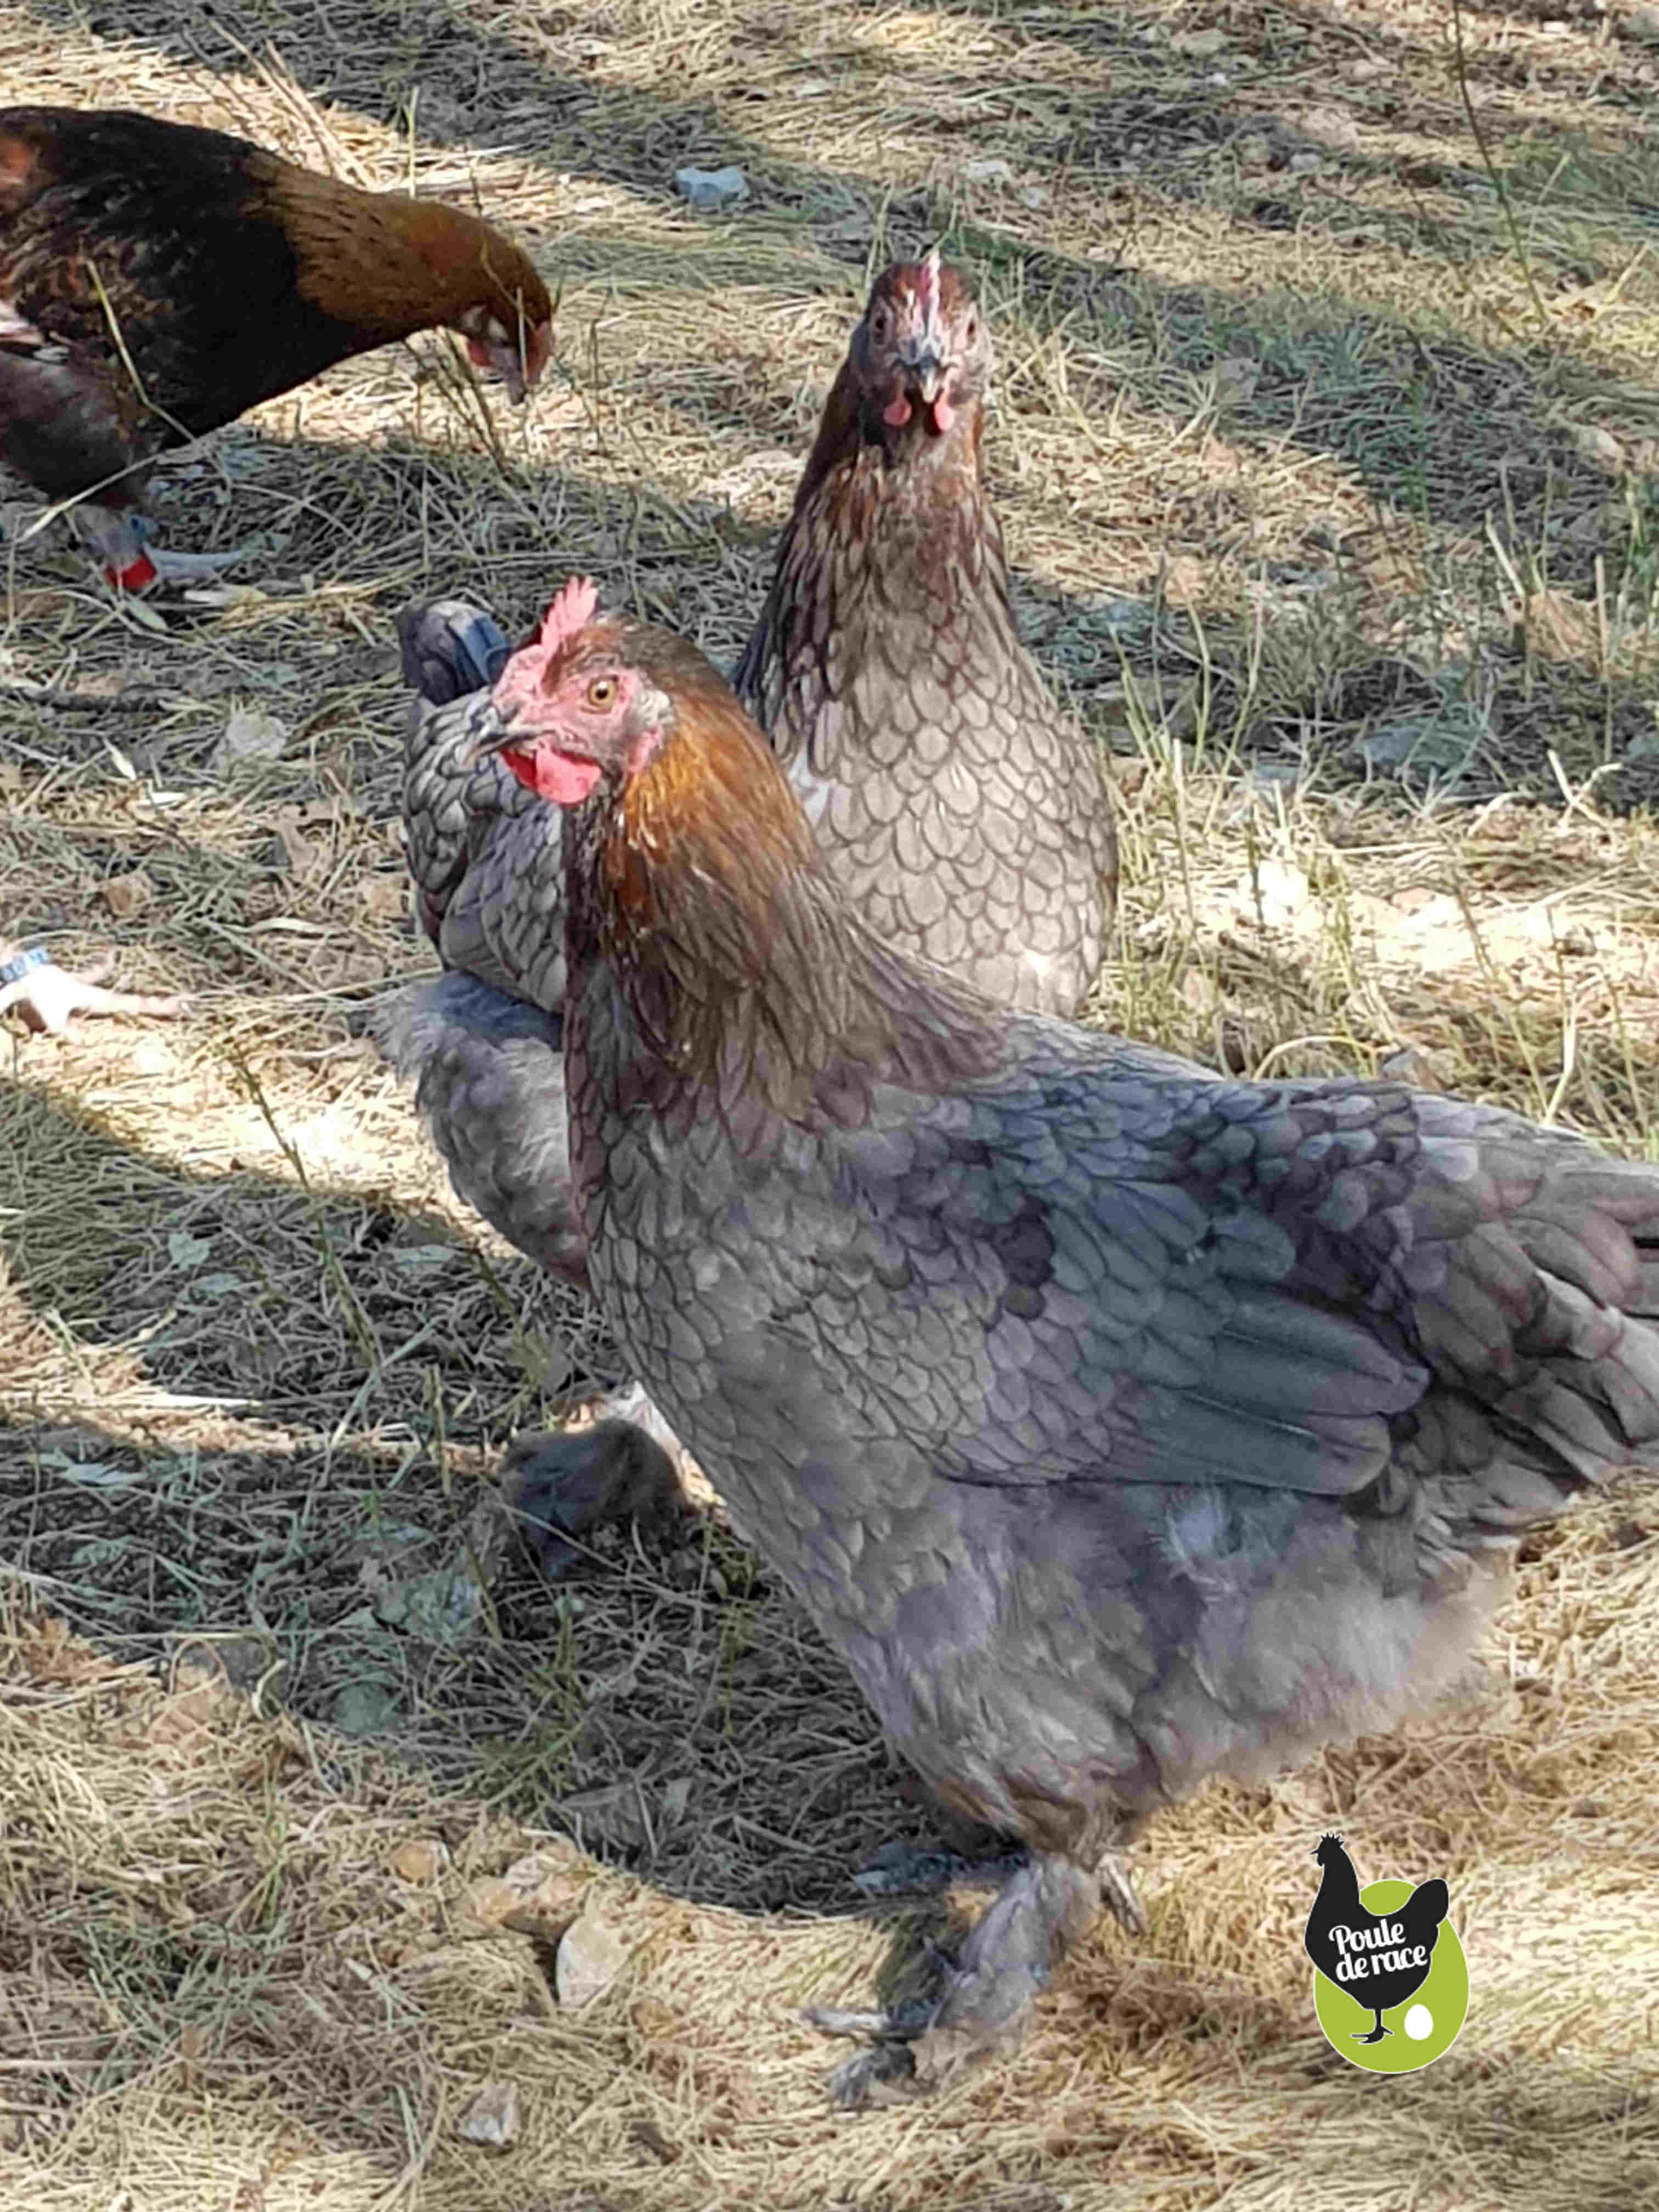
x,y
1359,1950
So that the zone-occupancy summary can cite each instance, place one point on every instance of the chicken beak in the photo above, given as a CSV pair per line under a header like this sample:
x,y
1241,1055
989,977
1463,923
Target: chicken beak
x,y
926,368
497,742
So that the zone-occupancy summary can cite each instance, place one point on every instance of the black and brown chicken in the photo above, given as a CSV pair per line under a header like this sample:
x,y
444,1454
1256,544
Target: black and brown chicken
x,y
157,280
964,814
1121,1423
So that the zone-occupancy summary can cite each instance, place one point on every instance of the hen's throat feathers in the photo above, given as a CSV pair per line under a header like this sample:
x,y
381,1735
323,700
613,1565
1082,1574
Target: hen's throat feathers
x,y
743,967
915,464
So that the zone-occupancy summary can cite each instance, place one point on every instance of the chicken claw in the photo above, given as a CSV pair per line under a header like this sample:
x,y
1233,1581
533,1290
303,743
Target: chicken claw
x,y
48,997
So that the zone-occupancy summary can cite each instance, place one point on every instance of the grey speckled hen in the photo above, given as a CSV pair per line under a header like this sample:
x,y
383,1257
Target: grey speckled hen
x,y
1120,1423
484,1044
962,812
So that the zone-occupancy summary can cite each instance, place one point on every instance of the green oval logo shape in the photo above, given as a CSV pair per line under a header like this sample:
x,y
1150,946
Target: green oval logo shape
x,y
1421,2029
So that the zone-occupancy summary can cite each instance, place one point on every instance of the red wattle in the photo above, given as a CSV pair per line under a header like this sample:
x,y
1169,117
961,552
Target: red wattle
x,y
896,411
943,414
551,775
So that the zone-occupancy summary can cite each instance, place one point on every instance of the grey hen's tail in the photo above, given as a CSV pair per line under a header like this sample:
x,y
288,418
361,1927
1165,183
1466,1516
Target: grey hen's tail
x,y
450,648
1539,1316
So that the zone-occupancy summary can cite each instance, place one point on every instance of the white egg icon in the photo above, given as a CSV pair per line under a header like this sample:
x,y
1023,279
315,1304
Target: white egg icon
x,y
1419,2023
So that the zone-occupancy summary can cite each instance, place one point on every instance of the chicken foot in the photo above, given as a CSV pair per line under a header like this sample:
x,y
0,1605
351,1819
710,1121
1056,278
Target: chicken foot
x,y
132,561
565,1483
985,2006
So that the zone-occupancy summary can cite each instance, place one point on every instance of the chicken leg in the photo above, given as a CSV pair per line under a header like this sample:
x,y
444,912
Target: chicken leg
x,y
985,2006
132,560
898,1869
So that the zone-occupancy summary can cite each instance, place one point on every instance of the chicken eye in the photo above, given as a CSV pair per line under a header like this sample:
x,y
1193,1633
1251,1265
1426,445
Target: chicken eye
x,y
602,692
973,328
881,322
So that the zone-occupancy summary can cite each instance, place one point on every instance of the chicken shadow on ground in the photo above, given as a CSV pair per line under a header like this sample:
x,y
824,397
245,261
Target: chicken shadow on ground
x,y
276,1432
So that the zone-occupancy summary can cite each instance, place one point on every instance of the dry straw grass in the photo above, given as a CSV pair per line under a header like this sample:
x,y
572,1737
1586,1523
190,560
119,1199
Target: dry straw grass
x,y
1308,473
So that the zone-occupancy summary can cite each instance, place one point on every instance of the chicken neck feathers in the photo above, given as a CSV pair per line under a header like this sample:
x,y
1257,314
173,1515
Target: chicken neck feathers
x,y
483,1043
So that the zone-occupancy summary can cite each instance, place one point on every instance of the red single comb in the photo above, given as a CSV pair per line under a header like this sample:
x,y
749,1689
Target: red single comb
x,y
572,608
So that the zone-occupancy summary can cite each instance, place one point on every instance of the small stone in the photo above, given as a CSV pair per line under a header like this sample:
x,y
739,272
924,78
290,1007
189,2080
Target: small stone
x,y
250,734
1236,378
443,1605
385,897
492,2117
1331,126
709,188
419,1861
1306,163
1599,446
988,172
125,895
365,1708
546,1885
1200,44
591,1956
486,1905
